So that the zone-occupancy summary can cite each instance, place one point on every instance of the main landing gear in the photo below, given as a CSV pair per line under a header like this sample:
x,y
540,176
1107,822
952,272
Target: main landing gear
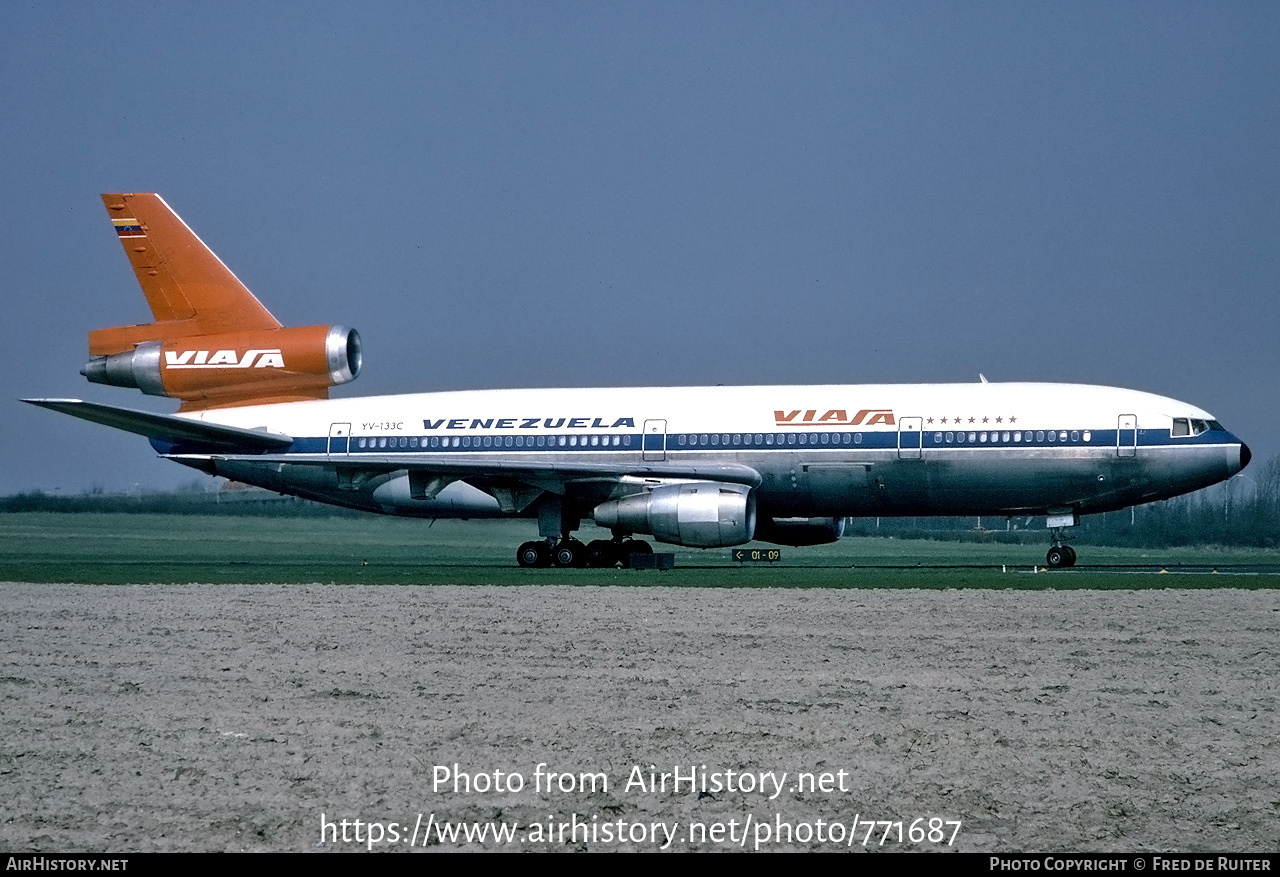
x,y
1060,555
557,547
567,552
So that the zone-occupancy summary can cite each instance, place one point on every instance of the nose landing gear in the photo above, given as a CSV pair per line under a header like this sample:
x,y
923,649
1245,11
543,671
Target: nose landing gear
x,y
1060,555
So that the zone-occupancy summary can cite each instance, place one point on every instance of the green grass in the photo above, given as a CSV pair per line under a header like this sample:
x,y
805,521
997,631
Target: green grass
x,y
120,548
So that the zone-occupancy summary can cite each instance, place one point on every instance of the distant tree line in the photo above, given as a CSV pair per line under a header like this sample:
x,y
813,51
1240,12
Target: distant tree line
x,y
185,501
1244,511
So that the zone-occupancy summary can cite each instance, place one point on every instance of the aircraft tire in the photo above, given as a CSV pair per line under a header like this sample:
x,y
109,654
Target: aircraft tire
x,y
533,554
569,553
602,553
1071,555
1057,557
634,546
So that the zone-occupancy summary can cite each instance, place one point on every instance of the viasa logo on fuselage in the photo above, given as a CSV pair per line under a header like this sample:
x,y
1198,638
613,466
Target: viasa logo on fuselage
x,y
834,417
265,358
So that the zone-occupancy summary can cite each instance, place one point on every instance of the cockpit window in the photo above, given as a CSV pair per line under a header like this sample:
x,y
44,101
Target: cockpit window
x,y
1192,426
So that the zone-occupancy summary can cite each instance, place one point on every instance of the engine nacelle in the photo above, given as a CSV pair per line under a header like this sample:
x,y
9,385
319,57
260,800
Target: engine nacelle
x,y
800,531
266,365
699,514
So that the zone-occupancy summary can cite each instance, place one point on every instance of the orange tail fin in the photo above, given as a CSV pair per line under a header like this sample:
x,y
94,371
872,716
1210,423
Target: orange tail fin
x,y
188,288
212,344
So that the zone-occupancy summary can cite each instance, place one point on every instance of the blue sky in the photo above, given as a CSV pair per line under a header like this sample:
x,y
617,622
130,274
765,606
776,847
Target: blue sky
x,y
579,194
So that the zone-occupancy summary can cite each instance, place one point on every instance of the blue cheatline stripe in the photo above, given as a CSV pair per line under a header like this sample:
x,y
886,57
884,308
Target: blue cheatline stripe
x,y
880,440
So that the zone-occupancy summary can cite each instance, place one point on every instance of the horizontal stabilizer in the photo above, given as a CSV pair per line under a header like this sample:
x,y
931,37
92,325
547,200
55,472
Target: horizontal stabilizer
x,y
169,428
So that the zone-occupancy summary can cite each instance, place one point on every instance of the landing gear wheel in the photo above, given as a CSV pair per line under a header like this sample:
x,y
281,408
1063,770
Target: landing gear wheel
x,y
1057,557
569,553
602,553
1071,555
533,554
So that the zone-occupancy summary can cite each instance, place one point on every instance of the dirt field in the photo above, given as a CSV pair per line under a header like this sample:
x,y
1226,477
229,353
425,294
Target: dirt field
x,y
233,717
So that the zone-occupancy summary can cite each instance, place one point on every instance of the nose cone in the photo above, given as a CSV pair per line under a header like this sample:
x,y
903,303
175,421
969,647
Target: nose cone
x,y
1245,455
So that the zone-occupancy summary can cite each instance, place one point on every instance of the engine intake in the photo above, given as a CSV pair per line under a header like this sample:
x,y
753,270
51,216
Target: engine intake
x,y
699,514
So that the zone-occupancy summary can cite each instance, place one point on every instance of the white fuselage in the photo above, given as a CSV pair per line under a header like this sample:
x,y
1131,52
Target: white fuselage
x,y
905,449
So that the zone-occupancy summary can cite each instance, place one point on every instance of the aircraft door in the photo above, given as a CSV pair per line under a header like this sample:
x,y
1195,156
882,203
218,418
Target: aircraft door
x,y
1127,435
339,439
655,441
910,435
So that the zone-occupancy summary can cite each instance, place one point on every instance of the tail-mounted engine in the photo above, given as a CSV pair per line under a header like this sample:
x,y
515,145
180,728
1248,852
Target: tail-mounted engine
x,y
699,514
259,366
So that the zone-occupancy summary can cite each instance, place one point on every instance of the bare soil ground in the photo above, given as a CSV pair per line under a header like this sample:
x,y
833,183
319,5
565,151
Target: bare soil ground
x,y
136,718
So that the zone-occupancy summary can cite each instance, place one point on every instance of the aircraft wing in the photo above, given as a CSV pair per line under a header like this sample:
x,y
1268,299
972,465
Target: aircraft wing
x,y
532,472
168,428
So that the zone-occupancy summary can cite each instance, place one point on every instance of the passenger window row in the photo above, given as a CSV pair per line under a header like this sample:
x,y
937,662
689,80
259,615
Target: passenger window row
x,y
1005,437
495,441
764,440
680,441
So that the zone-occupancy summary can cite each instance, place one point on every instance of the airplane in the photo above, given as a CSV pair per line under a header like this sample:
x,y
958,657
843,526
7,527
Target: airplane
x,y
694,466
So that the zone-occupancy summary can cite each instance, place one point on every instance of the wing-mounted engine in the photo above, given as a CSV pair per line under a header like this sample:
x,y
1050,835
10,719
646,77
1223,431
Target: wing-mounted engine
x,y
699,514
227,369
